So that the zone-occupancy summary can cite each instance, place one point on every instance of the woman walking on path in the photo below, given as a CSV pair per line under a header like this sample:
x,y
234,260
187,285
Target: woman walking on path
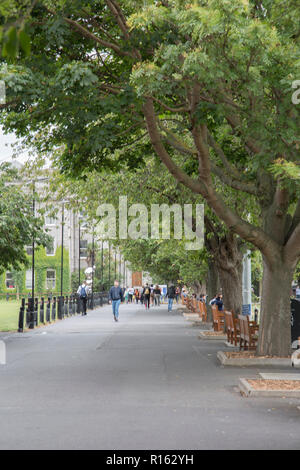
x,y
157,294
126,295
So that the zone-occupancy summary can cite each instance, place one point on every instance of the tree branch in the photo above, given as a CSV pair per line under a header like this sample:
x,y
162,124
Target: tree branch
x,y
88,34
203,186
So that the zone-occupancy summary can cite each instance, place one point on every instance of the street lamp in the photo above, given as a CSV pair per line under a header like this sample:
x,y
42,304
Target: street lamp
x,y
102,265
109,264
62,249
93,267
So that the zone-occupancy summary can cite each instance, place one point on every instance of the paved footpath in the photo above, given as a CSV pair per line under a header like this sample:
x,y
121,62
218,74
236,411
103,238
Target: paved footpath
x,y
146,382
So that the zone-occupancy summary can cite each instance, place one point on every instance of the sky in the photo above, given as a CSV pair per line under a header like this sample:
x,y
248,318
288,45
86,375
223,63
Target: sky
x,y
6,150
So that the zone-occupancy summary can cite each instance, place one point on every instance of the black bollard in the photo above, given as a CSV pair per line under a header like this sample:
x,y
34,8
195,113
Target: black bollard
x,y
42,315
31,313
21,317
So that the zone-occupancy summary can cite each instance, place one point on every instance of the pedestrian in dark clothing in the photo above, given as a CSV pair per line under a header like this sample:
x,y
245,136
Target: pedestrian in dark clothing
x,y
157,294
171,293
83,296
146,296
116,297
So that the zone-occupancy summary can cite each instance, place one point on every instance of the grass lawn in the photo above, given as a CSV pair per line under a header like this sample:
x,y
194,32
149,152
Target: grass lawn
x,y
9,315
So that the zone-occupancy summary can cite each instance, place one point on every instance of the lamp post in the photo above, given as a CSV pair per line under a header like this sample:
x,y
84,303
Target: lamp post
x,y
93,268
109,264
102,265
62,249
79,249
31,300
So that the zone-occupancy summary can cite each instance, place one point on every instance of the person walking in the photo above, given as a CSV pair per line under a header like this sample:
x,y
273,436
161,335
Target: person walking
x,y
126,294
130,294
157,294
83,296
177,294
116,297
171,293
146,295
152,295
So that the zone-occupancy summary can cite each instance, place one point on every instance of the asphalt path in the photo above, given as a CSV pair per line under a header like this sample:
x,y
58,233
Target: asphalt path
x,y
146,382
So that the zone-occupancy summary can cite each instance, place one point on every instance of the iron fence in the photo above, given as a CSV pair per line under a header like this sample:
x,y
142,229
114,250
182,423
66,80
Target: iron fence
x,y
41,311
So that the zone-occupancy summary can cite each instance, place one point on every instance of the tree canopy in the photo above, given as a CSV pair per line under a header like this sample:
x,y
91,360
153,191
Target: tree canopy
x,y
208,84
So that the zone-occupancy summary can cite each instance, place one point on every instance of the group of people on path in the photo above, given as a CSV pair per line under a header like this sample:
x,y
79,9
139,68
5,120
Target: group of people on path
x,y
148,295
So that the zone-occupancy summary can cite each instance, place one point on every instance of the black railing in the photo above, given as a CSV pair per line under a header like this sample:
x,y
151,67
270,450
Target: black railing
x,y
41,311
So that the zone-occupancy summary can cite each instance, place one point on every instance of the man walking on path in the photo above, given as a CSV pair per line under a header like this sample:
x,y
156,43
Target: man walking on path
x,y
83,296
171,295
116,297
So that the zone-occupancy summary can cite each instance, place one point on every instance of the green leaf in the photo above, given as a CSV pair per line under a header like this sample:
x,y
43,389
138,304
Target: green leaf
x,y
24,40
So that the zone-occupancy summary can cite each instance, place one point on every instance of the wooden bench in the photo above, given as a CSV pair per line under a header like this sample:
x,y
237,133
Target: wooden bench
x,y
189,303
202,310
232,328
218,318
248,333
183,300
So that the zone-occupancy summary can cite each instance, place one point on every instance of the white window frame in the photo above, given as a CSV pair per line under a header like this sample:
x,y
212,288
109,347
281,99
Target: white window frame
x,y
12,279
54,248
52,287
83,248
50,221
28,277
28,247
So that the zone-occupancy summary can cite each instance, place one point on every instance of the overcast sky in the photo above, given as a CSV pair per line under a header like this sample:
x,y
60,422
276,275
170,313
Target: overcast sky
x,y
6,150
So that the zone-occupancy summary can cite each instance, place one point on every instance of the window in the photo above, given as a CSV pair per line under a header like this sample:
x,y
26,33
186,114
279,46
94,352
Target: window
x,y
29,250
50,220
50,250
82,219
83,248
50,279
28,279
9,281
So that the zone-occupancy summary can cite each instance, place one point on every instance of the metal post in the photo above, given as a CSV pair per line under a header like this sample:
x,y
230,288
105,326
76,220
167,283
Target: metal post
x,y
31,301
247,283
79,248
102,265
62,250
109,264
115,265
93,262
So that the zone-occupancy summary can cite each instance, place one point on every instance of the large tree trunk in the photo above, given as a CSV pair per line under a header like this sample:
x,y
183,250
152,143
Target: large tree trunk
x,y
229,262
275,316
231,282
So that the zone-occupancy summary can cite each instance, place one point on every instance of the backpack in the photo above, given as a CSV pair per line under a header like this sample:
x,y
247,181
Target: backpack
x,y
147,292
83,292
